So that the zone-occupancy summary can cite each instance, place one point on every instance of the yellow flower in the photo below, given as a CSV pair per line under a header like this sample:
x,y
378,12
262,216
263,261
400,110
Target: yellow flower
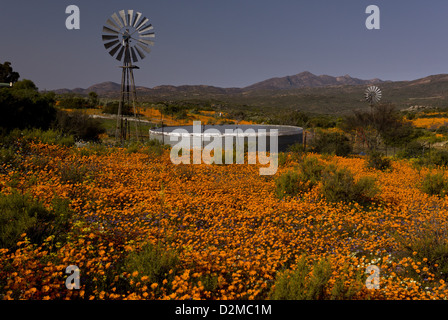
x,y
135,273
154,285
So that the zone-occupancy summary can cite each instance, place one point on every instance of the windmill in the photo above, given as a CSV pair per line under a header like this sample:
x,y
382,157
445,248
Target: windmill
x,y
126,37
372,95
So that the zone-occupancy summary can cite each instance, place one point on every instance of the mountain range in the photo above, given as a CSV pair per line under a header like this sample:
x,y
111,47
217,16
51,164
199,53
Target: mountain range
x,y
304,91
302,80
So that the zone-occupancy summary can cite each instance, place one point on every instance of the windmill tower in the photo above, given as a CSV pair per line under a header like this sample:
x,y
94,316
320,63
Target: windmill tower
x,y
126,37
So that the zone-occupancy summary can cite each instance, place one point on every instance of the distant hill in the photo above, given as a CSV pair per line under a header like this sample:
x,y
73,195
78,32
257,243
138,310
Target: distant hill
x,y
304,91
308,80
301,80
100,88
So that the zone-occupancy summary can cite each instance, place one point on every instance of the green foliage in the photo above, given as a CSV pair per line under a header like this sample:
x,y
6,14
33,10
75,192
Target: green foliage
x,y
291,183
112,108
340,185
414,149
22,214
181,114
25,84
377,161
332,143
303,283
7,74
72,173
153,261
435,184
287,184
428,238
439,157
80,125
26,109
76,101
310,172
93,99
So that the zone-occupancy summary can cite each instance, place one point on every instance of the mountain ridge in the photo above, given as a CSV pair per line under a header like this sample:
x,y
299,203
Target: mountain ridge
x,y
301,80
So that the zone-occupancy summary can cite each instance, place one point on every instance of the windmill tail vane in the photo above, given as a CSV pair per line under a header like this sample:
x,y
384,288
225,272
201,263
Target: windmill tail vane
x,y
126,37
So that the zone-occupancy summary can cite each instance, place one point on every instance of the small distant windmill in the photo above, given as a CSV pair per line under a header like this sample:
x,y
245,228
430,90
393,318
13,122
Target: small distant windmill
x,y
127,37
372,95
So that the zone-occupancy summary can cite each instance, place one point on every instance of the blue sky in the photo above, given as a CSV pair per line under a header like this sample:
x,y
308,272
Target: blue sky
x,y
232,43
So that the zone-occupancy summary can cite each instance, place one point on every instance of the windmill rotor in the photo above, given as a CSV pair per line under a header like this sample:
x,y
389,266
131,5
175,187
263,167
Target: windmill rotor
x,y
373,95
126,35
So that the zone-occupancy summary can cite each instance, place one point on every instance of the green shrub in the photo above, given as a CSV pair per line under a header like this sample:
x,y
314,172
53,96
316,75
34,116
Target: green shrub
x,y
79,125
50,136
112,108
435,184
153,261
303,283
340,185
25,109
72,173
287,184
413,149
311,171
377,161
332,143
439,157
426,238
22,214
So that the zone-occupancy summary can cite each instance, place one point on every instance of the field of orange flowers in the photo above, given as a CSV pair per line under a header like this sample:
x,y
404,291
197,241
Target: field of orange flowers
x,y
224,221
430,123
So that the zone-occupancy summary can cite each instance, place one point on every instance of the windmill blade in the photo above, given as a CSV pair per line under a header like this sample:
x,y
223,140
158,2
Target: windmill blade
x,y
115,49
107,37
150,27
144,47
111,24
120,54
123,16
130,17
109,30
151,43
140,53
141,24
137,18
117,20
148,35
134,56
110,44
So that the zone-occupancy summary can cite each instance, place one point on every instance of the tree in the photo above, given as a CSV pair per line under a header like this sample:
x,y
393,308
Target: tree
x,y
383,124
93,99
7,75
26,109
25,84
332,143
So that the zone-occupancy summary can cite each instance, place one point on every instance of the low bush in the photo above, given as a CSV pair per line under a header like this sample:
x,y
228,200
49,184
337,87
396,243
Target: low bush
x,y
377,161
435,184
413,149
287,184
79,125
153,261
340,185
303,283
22,214
332,143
